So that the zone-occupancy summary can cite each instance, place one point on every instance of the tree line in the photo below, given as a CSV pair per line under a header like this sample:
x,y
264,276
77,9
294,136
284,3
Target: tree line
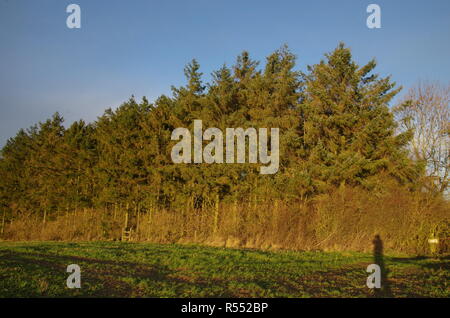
x,y
336,129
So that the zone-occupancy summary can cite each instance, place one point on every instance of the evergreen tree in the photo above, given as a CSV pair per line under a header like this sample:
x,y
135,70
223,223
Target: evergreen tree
x,y
348,131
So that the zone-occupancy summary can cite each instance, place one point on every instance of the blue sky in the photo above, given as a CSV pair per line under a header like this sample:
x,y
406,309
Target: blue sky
x,y
140,47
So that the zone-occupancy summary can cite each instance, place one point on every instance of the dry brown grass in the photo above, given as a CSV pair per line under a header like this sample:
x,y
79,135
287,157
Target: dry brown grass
x,y
347,219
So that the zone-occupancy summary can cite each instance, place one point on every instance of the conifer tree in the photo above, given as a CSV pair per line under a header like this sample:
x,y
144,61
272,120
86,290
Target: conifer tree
x,y
348,131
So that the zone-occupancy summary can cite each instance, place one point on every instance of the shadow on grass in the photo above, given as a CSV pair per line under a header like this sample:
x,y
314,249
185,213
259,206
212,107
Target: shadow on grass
x,y
378,257
108,277
425,262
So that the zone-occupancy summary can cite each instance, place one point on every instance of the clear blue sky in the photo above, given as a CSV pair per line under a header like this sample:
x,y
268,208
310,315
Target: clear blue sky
x,y
140,47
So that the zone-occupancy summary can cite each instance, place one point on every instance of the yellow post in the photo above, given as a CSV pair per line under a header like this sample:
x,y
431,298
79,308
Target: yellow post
x,y
434,242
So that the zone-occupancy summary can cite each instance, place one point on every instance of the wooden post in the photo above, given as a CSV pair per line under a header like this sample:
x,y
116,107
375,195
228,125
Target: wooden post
x,y
151,212
127,208
216,214
126,219
138,217
255,189
235,216
3,222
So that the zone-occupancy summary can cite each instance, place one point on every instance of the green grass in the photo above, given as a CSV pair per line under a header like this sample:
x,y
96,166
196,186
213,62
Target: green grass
x,y
117,269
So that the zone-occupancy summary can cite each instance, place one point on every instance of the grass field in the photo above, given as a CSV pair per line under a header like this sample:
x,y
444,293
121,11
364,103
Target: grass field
x,y
116,269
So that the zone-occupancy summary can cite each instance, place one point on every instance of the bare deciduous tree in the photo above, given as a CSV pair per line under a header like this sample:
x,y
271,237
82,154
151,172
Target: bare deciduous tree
x,y
426,111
